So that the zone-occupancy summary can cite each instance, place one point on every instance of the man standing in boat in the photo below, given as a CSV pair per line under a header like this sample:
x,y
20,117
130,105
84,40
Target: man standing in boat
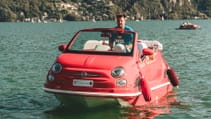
x,y
126,39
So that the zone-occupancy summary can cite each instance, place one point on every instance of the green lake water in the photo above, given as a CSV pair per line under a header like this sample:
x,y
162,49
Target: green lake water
x,y
27,51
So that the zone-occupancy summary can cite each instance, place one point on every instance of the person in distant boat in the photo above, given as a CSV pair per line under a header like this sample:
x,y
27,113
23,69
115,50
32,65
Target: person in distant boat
x,y
125,39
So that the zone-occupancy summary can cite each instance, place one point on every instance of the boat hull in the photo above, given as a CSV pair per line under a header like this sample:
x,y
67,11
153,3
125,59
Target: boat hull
x,y
85,101
189,26
93,99
96,73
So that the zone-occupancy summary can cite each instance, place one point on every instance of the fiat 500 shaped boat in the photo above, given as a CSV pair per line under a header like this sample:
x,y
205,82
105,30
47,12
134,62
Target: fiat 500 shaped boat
x,y
90,71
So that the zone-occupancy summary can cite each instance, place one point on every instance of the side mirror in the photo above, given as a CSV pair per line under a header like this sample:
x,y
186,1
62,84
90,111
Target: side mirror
x,y
147,51
62,47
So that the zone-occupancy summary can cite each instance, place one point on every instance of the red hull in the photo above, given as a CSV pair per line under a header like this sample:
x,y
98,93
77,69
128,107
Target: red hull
x,y
73,97
189,26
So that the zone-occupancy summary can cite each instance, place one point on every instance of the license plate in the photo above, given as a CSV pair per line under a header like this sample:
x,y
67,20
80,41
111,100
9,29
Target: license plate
x,y
85,83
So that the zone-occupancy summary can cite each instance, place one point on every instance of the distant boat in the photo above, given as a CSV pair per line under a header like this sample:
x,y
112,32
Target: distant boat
x,y
60,20
188,25
32,20
162,18
93,20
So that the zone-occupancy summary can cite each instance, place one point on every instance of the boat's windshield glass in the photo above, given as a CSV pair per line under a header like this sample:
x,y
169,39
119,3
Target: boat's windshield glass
x,y
103,42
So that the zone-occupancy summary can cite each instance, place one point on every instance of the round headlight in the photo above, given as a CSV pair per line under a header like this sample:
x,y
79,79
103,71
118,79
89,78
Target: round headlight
x,y
121,82
117,72
56,68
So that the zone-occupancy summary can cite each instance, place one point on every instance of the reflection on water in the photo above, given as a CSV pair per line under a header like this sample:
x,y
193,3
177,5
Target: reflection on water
x,y
162,106
105,111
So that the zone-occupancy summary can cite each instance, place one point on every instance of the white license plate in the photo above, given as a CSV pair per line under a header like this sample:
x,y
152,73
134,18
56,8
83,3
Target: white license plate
x,y
85,83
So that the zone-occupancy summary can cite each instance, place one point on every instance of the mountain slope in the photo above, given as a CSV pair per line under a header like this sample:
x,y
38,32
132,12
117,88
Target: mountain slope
x,y
40,10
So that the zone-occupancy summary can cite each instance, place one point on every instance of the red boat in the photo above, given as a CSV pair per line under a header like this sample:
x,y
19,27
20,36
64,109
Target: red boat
x,y
188,25
89,71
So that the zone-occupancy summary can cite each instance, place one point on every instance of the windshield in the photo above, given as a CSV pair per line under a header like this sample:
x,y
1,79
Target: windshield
x,y
103,42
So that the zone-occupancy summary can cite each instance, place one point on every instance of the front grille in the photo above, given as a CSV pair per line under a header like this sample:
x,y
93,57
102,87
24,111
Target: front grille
x,y
83,74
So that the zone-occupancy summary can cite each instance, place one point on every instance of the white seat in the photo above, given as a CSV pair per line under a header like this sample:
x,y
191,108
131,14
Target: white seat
x,y
119,48
102,48
91,44
95,45
155,45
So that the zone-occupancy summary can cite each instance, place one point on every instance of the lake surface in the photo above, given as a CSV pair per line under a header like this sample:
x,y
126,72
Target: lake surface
x,y
27,51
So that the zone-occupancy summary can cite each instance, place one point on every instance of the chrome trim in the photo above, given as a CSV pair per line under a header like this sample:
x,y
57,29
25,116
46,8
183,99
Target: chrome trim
x,y
160,86
83,74
103,94
93,93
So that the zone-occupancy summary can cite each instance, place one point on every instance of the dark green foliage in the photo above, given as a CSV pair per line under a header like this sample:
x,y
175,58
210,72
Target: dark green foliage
x,y
19,10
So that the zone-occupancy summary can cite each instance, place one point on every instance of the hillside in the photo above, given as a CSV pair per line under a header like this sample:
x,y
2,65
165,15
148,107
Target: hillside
x,y
54,10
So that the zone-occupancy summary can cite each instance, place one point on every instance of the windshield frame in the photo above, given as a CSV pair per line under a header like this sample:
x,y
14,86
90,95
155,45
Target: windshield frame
x,y
115,30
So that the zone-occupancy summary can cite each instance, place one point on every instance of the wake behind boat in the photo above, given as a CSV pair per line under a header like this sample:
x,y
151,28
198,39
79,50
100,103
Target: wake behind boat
x,y
89,71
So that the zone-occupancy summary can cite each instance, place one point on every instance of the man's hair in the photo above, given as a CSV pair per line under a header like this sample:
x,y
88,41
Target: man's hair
x,y
121,15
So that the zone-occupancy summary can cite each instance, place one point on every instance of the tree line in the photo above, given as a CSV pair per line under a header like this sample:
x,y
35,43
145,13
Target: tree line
x,y
20,10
